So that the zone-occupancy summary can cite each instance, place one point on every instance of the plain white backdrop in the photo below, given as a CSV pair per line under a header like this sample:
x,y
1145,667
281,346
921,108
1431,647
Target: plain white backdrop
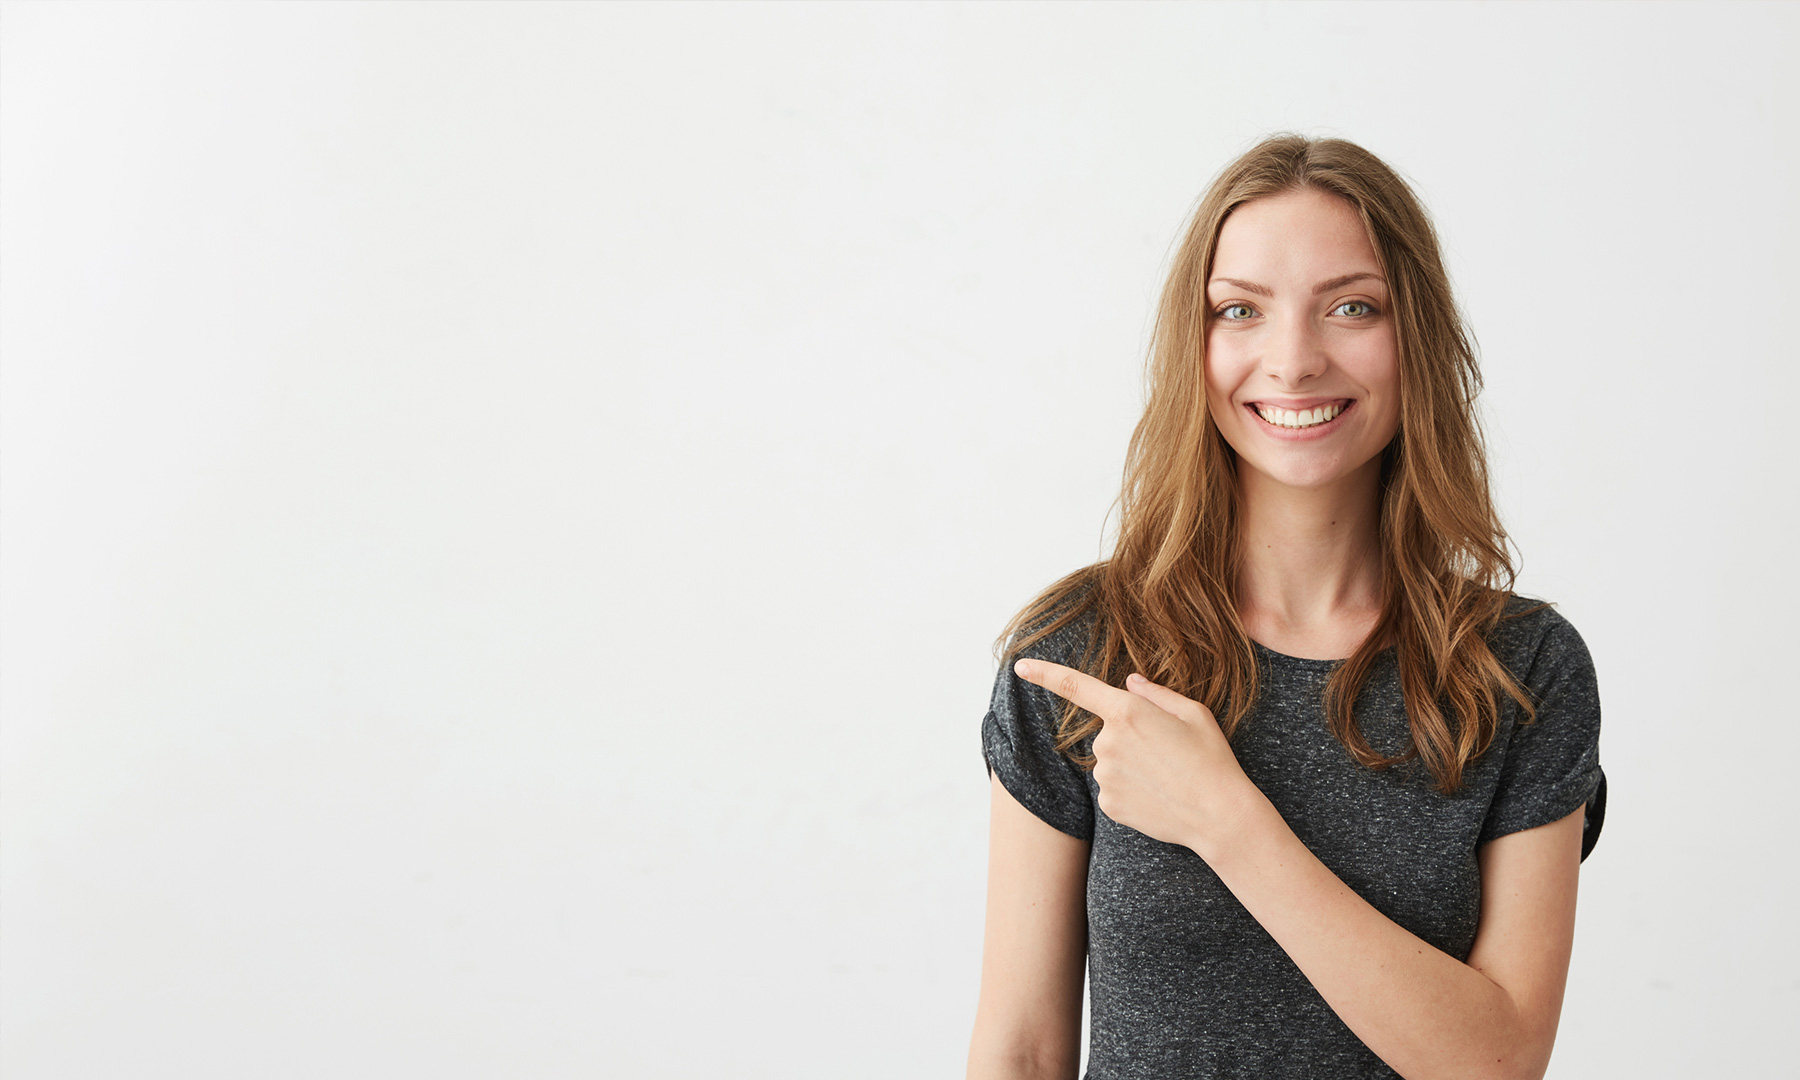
x,y
506,508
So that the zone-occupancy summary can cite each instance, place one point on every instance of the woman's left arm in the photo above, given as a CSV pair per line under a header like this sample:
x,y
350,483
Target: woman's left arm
x,y
1420,1009
1164,768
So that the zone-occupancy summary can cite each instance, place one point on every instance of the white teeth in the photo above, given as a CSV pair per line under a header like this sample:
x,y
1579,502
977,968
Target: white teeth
x,y
1304,418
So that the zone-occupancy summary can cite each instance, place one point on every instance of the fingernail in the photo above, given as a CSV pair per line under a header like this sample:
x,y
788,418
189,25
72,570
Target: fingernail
x,y
1134,676
1022,669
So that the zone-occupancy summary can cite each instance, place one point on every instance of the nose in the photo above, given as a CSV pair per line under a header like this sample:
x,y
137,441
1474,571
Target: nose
x,y
1294,352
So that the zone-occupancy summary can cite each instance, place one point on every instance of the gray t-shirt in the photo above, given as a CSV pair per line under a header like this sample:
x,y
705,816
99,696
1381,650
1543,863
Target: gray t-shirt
x,y
1183,981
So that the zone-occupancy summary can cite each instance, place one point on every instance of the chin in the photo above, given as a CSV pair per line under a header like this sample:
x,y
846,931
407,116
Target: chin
x,y
1303,475
1303,480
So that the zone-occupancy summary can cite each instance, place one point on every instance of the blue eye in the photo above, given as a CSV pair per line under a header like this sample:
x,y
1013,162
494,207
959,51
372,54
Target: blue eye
x,y
1235,312
1354,309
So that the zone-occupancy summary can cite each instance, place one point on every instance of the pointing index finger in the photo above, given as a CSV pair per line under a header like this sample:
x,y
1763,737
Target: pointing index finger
x,y
1083,689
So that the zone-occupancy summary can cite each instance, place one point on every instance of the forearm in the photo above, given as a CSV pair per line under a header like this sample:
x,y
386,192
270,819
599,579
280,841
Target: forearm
x,y
1421,1010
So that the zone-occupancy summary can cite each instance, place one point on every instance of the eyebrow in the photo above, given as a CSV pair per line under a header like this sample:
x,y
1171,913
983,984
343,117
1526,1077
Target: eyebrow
x,y
1340,282
1322,287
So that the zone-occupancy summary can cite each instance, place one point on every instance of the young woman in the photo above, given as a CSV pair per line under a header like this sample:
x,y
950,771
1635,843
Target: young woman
x,y
1293,773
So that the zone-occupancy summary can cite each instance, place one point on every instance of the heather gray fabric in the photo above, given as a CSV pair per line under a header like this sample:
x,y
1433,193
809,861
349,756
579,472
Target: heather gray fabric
x,y
1183,982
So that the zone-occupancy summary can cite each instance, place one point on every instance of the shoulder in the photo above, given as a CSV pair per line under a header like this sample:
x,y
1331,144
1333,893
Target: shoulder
x,y
1550,762
1058,626
1022,729
1067,644
1534,641
1025,705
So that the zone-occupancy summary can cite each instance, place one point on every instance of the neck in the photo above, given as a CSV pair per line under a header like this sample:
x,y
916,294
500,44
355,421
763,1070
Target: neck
x,y
1310,581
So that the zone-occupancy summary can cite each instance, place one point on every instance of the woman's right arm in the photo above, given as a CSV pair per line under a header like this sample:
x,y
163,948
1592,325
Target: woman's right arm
x,y
1034,952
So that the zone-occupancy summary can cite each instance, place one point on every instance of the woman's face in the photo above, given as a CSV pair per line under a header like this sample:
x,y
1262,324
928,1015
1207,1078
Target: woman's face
x,y
1302,366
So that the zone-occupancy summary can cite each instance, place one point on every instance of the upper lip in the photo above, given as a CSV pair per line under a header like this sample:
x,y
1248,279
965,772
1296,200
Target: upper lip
x,y
1296,404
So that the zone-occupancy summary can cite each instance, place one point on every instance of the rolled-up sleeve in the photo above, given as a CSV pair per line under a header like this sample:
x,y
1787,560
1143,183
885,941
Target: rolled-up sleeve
x,y
1552,764
1018,739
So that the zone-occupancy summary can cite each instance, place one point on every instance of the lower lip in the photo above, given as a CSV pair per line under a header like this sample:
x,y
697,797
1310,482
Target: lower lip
x,y
1288,434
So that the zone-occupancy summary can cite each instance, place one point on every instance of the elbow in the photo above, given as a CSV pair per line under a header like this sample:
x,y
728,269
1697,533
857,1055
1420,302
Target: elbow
x,y
1509,1068
1531,1067
1021,1058
1525,1055
1024,1067
1512,1050
1491,1065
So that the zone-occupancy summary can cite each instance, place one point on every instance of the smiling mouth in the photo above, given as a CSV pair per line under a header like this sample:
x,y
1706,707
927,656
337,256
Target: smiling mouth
x,y
1299,419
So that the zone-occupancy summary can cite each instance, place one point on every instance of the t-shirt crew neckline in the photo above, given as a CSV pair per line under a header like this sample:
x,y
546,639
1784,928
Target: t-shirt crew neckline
x,y
1301,661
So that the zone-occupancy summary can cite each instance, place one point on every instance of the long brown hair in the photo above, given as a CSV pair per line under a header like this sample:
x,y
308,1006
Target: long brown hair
x,y
1165,604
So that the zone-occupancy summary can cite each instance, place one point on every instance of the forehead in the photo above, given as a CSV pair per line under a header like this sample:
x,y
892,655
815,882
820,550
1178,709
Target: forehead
x,y
1295,238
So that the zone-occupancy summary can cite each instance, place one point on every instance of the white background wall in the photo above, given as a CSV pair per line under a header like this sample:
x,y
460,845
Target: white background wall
x,y
506,508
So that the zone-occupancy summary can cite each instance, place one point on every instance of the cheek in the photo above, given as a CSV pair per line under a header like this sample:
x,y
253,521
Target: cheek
x,y
1225,371
1374,362
1384,359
